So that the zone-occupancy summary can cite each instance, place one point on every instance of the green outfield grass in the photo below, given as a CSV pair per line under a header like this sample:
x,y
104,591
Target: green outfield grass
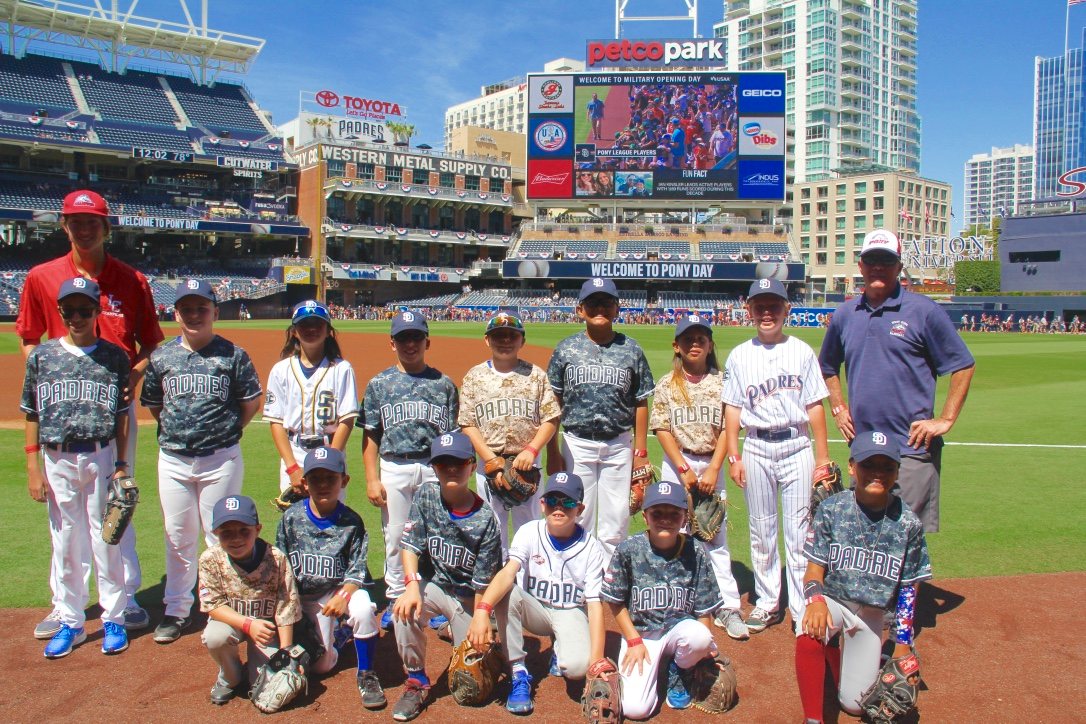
x,y
1005,510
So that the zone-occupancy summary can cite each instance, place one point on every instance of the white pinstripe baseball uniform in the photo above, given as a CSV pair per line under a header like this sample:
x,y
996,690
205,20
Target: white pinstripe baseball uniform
x,y
773,385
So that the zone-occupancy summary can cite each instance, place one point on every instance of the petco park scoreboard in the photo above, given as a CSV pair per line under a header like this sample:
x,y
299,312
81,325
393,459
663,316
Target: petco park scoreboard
x,y
697,136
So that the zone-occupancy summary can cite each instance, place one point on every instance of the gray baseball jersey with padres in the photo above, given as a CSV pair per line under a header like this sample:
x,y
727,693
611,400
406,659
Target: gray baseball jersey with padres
x,y
200,394
866,560
659,592
408,410
460,555
600,384
75,394
324,553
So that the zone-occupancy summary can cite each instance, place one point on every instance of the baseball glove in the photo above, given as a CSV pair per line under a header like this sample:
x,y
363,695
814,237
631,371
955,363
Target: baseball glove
x,y
707,514
472,675
601,702
826,481
287,498
510,485
894,692
642,477
280,680
120,507
713,685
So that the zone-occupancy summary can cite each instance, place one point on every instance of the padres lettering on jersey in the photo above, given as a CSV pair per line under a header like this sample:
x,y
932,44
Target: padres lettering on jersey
x,y
192,384
323,558
867,559
598,375
773,384
75,394
697,419
558,578
268,592
508,408
461,555
409,410
659,592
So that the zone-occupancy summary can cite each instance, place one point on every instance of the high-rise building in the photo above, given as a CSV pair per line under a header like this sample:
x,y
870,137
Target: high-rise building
x,y
851,68
1059,119
996,182
503,105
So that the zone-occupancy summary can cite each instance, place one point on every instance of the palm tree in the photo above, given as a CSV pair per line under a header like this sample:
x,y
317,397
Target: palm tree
x,y
402,132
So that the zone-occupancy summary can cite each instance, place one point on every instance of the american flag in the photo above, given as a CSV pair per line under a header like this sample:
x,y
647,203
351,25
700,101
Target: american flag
x,y
1074,2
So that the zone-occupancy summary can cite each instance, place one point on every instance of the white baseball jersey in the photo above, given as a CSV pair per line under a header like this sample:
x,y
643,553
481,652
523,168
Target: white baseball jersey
x,y
773,384
313,405
558,578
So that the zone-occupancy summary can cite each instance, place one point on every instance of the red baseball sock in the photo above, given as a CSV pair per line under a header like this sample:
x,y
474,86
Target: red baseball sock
x,y
811,675
833,660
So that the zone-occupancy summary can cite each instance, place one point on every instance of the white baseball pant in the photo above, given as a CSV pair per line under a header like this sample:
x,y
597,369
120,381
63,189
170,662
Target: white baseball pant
x,y
861,648
401,480
717,548
526,512
361,612
520,612
78,487
604,468
188,488
687,642
222,641
773,468
411,636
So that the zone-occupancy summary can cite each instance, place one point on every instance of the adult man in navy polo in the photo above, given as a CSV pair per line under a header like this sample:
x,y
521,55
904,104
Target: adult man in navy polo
x,y
895,344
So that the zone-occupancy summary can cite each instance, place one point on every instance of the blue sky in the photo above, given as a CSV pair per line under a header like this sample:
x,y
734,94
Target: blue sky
x,y
975,71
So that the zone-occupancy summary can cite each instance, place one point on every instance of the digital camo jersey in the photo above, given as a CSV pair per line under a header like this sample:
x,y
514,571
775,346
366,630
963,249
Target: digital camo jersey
x,y
75,394
695,422
508,408
408,410
199,393
773,384
461,555
558,578
324,553
659,592
313,405
600,385
268,593
867,560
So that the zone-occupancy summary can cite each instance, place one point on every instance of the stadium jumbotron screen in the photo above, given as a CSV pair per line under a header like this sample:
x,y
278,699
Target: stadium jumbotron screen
x,y
705,136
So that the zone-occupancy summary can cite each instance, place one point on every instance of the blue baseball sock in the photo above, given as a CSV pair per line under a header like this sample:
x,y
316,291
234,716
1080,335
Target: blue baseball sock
x,y
364,649
419,676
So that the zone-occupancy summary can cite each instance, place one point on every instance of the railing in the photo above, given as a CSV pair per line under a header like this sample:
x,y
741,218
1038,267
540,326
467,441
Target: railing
x,y
498,198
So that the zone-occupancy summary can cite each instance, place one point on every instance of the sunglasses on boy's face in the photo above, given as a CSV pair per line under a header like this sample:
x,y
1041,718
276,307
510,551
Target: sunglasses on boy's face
x,y
77,312
559,501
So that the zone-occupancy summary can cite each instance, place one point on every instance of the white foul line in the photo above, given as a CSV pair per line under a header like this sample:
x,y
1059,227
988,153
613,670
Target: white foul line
x,y
1002,444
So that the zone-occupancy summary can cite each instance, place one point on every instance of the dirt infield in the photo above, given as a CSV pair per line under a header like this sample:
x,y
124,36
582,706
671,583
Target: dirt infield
x,y
367,353
983,659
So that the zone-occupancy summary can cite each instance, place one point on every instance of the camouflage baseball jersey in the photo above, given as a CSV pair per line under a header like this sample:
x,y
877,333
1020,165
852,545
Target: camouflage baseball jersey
x,y
75,394
867,560
199,393
459,555
269,592
409,410
508,408
600,385
659,592
324,552
696,424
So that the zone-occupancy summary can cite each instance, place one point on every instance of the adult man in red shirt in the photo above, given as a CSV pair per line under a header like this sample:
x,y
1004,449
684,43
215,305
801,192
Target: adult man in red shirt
x,y
127,319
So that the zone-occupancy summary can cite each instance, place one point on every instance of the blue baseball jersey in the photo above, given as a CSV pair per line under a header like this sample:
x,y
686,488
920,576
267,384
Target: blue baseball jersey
x,y
867,557
660,591
892,357
324,553
460,555
600,384
407,411
76,393
199,393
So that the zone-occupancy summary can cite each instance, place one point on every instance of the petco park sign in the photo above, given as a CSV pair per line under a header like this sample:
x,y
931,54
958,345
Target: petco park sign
x,y
340,104
655,53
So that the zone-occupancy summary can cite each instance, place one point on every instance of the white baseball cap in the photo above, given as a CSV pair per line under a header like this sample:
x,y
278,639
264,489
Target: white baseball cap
x,y
881,240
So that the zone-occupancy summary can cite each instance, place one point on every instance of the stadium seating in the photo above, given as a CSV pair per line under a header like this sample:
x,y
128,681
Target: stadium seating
x,y
219,108
720,247
443,300
586,247
694,300
35,82
136,97
125,137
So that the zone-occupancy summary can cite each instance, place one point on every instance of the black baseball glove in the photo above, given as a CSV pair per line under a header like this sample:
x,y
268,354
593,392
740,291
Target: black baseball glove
x,y
510,485
120,507
825,482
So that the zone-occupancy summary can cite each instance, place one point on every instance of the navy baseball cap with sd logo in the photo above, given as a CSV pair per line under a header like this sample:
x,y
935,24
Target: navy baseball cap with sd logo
x,y
325,458
693,320
234,507
665,493
567,484
452,445
409,322
597,285
195,288
79,285
310,309
869,444
767,286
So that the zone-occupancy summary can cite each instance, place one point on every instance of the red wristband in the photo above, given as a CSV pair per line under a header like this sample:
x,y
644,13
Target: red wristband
x,y
31,449
291,469
246,626
630,643
733,459
640,453
484,606
683,469
532,450
835,411
342,593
